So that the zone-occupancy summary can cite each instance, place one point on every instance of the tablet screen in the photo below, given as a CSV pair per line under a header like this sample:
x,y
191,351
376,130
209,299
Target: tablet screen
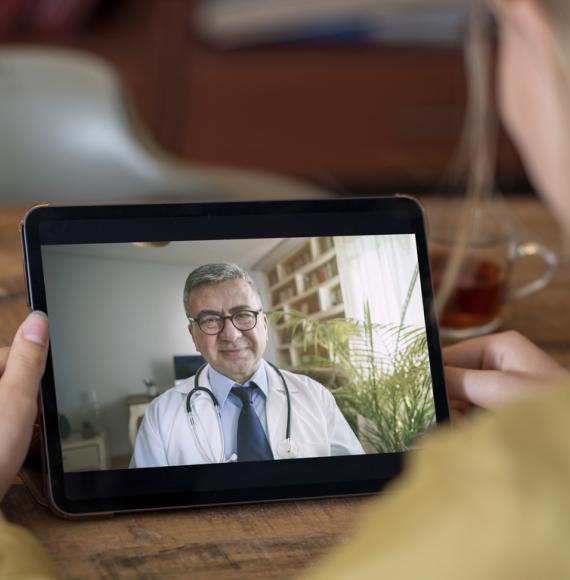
x,y
341,316
235,351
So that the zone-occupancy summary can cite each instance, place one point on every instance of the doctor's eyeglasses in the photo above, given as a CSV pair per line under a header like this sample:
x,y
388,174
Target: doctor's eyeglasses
x,y
214,323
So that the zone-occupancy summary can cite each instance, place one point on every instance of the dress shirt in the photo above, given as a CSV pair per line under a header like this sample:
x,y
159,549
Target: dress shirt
x,y
230,405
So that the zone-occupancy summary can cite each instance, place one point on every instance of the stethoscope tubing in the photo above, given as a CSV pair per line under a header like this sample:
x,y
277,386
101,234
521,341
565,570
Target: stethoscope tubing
x,y
197,388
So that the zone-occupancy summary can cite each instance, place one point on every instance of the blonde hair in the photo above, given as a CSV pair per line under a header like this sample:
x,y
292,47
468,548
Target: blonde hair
x,y
477,153
478,143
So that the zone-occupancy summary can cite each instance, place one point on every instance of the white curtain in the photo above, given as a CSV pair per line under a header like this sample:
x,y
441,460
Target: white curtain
x,y
378,270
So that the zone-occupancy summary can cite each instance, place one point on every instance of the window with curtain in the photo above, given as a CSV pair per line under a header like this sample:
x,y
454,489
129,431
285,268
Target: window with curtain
x,y
381,272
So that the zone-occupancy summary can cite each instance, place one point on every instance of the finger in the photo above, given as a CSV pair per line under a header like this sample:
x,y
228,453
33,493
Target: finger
x,y
468,354
507,351
490,389
26,359
501,351
474,386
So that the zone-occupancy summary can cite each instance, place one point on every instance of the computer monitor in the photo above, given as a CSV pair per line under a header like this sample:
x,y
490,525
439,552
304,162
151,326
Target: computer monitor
x,y
187,365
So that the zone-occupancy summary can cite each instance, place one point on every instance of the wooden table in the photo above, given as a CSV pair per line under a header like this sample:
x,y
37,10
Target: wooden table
x,y
256,541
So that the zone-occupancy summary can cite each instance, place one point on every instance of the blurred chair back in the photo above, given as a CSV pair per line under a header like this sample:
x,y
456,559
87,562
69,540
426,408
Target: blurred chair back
x,y
67,134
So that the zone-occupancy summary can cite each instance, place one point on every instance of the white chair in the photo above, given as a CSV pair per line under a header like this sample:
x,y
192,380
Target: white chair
x,y
67,134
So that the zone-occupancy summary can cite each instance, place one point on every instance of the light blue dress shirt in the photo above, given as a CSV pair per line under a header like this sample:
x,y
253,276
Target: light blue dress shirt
x,y
230,405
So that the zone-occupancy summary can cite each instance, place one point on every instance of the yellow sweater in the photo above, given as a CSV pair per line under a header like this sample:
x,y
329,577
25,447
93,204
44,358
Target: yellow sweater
x,y
22,557
489,501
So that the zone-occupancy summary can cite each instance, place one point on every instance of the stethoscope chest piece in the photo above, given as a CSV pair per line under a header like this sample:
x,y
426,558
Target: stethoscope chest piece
x,y
287,449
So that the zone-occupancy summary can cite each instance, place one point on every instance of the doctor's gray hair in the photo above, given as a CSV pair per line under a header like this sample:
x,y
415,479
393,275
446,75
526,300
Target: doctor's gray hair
x,y
214,274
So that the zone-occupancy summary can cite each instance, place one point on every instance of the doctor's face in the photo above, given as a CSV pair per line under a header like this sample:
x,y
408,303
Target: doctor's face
x,y
235,353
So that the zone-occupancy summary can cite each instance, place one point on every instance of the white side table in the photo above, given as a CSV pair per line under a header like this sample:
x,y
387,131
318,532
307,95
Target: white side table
x,y
85,454
137,405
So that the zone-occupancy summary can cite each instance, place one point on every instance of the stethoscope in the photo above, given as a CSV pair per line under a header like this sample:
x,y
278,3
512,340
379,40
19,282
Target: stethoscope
x,y
286,449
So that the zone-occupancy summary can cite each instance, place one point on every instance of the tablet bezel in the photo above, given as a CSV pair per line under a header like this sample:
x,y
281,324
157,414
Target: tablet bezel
x,y
111,491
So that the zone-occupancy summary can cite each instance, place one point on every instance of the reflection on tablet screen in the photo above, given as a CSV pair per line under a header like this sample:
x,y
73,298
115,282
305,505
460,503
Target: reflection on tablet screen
x,y
291,348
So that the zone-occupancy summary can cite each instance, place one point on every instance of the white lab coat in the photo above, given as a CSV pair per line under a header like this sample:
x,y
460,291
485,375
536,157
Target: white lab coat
x,y
318,428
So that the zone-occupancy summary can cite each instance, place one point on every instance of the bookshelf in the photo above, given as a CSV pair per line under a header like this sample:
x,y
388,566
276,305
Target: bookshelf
x,y
302,276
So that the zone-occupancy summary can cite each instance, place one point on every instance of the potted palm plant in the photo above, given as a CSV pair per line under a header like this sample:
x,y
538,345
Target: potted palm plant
x,y
379,374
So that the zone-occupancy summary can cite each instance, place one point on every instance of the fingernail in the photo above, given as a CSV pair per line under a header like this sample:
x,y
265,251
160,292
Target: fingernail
x,y
35,327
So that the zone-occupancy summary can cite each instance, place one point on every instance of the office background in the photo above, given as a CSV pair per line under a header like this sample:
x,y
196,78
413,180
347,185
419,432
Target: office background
x,y
372,111
118,320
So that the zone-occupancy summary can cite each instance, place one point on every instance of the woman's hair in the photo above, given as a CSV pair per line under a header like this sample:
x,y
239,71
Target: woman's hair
x,y
475,162
477,154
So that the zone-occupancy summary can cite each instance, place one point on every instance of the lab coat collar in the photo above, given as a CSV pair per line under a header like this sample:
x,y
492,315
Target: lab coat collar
x,y
184,386
266,377
222,385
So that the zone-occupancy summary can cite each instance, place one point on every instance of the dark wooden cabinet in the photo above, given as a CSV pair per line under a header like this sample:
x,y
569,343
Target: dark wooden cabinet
x,y
353,115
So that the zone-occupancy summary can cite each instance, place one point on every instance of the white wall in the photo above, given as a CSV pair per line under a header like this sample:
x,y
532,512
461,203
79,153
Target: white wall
x,y
113,322
261,282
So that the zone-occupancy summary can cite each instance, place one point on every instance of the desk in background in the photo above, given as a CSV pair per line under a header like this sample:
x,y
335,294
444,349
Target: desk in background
x,y
257,541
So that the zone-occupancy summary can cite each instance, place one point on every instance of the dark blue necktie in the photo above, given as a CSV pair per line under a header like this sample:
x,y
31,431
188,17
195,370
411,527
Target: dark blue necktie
x,y
252,444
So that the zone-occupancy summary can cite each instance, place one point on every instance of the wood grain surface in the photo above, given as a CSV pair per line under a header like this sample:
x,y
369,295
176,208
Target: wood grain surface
x,y
253,541
12,291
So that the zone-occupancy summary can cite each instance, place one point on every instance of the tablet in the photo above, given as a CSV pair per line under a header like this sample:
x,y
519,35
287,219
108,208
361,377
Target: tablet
x,y
220,353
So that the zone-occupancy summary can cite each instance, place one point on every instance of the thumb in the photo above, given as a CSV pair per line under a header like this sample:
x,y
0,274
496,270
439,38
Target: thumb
x,y
18,394
27,357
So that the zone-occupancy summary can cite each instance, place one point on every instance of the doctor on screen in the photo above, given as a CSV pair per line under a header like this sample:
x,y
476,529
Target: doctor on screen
x,y
238,407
